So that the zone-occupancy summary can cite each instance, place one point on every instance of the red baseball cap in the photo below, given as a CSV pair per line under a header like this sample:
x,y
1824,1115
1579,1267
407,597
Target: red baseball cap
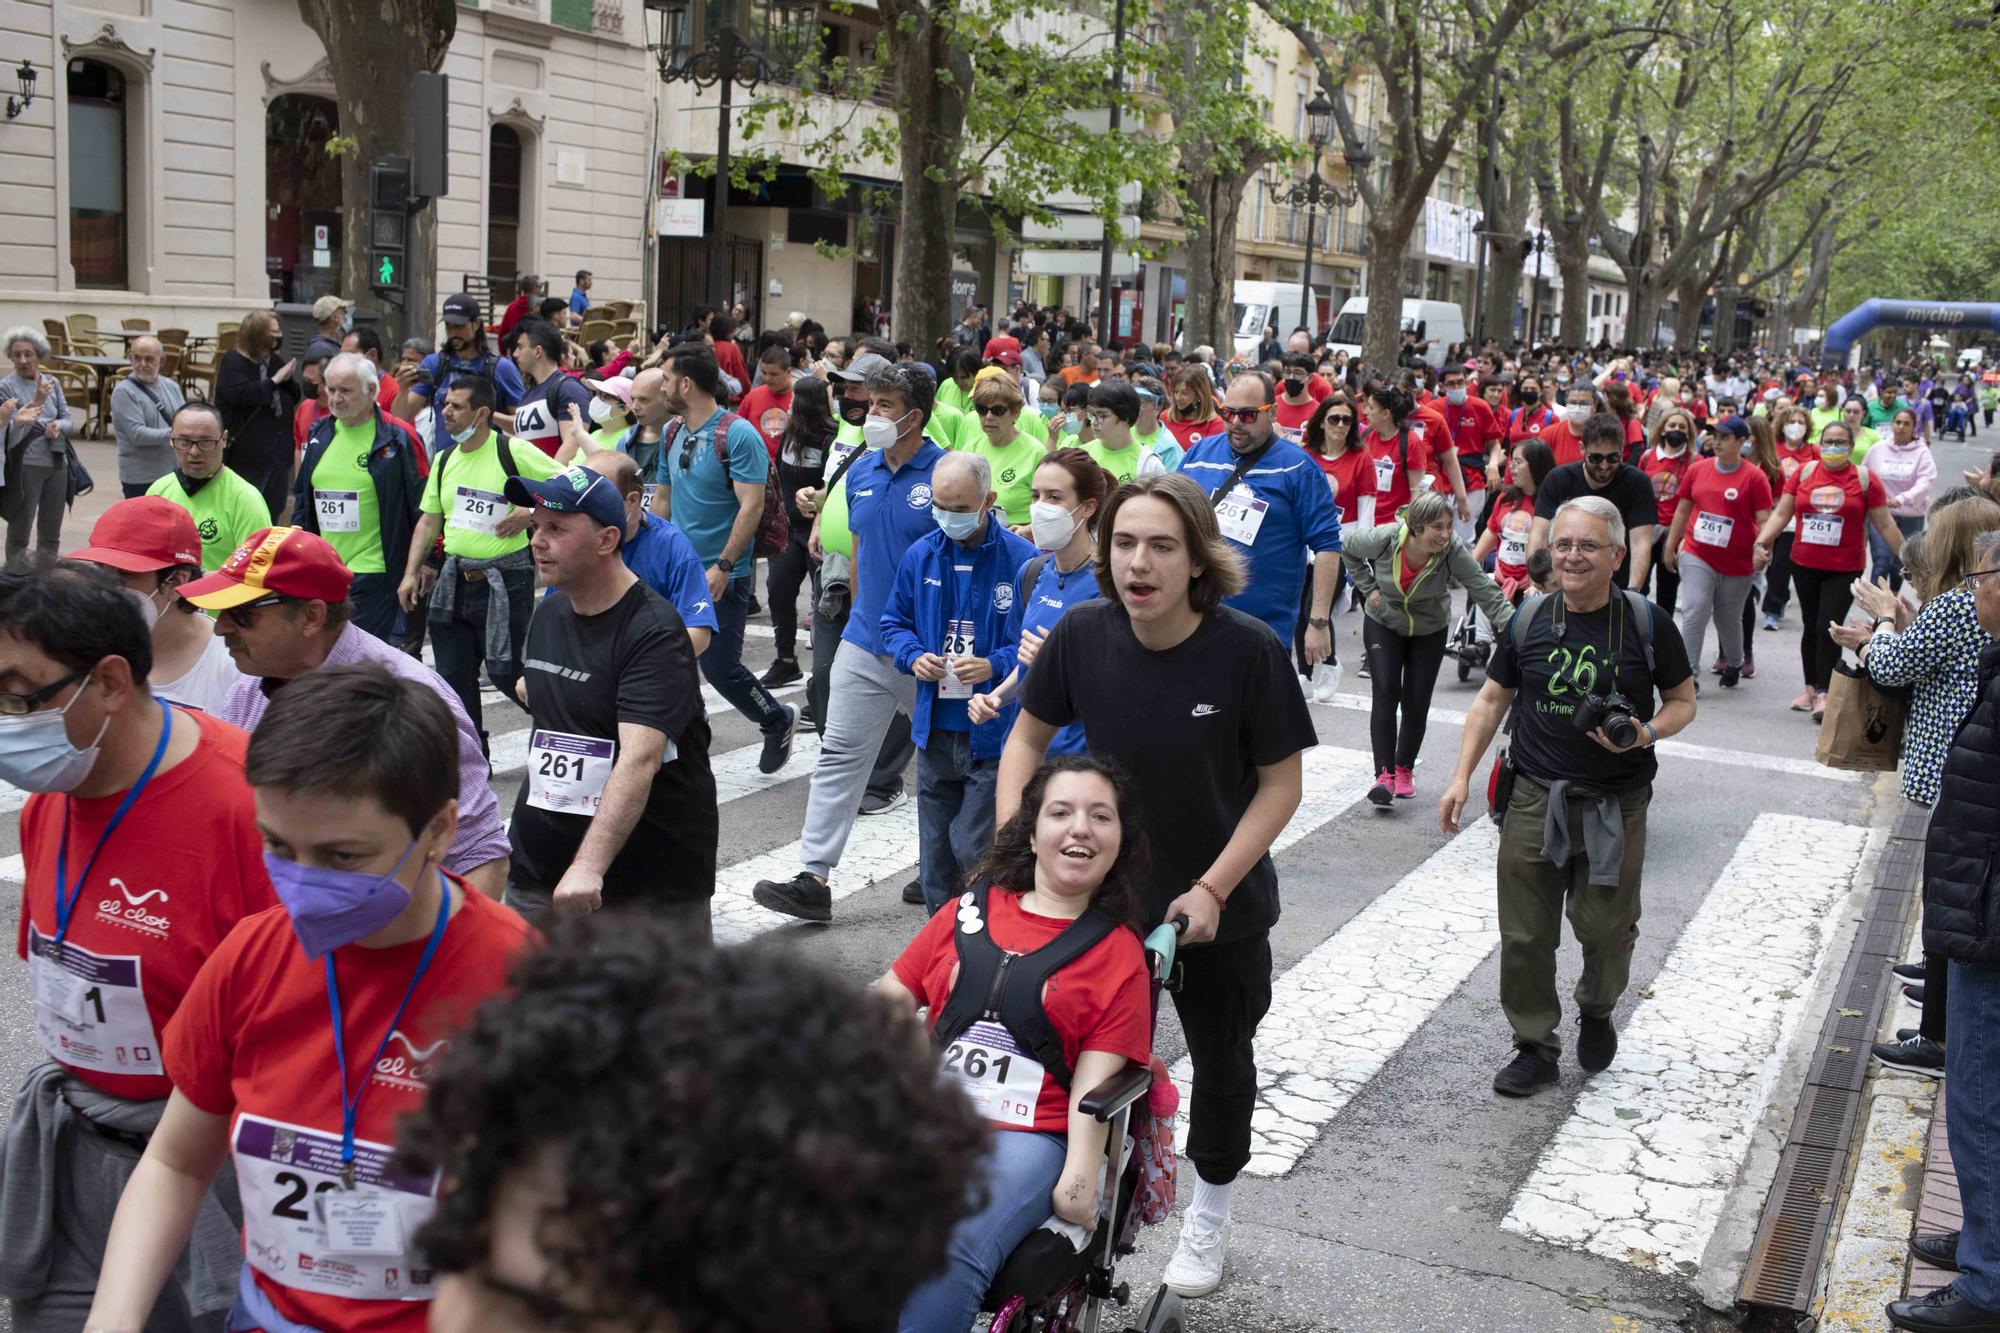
x,y
140,535
290,562
1005,348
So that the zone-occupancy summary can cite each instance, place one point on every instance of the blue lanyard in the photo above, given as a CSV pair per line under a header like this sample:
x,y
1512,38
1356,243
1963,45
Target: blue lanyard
x,y
65,896
350,1107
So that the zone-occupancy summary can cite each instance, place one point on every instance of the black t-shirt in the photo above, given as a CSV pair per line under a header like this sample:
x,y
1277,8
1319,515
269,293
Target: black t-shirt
x,y
1557,667
1190,725
1630,489
586,674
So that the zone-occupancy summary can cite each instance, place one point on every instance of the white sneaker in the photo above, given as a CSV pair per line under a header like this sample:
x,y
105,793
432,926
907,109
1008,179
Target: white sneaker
x,y
1196,1268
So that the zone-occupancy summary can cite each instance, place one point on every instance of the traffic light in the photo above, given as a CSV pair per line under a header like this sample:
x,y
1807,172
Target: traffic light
x,y
388,224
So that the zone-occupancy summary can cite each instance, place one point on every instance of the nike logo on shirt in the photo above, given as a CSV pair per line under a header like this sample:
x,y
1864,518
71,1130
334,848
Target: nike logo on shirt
x,y
1206,710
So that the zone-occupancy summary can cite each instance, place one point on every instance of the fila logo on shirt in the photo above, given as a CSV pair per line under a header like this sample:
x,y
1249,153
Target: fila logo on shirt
x,y
406,1065
133,911
920,496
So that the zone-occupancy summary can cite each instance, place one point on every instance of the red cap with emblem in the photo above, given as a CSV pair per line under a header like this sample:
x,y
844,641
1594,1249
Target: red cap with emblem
x,y
288,562
140,535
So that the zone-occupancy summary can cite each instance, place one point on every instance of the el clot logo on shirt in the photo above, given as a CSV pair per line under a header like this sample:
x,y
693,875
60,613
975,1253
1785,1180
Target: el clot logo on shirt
x,y
408,1066
134,912
1003,597
209,529
1828,499
1007,475
920,496
1730,494
773,421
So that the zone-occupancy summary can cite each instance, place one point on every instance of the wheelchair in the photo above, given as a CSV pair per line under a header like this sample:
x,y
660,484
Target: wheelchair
x,y
1958,418
1047,1285
1467,645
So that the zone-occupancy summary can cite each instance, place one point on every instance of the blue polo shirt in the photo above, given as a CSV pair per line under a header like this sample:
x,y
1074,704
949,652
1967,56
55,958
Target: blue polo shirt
x,y
887,514
1299,515
665,561
444,368
1054,593
704,499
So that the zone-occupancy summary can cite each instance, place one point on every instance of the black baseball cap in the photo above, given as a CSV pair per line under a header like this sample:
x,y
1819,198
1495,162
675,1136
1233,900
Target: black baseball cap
x,y
461,309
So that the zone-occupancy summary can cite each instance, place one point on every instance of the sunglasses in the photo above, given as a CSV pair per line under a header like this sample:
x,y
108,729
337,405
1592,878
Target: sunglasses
x,y
14,705
1244,415
1339,419
1603,460
240,617
993,409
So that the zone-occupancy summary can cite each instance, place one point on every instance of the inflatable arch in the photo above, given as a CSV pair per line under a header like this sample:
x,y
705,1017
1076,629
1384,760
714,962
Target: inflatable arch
x,y
1857,323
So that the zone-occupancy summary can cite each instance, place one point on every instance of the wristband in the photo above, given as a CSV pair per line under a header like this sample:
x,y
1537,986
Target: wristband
x,y
1652,733
1220,901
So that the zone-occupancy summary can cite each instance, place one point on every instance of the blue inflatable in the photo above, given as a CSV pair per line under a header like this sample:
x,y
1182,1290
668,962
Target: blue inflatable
x,y
1871,315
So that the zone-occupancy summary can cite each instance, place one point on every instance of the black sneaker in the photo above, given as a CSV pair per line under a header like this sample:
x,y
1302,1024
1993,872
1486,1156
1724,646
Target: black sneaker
x,y
778,744
1362,670
1915,1055
1730,675
1940,1251
756,607
781,672
1904,1034
871,804
1596,1043
804,896
1914,996
1524,1075
1945,1308
1911,974
913,893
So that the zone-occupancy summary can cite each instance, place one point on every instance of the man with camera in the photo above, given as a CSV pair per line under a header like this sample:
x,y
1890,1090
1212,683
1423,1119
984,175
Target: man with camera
x,y
1586,662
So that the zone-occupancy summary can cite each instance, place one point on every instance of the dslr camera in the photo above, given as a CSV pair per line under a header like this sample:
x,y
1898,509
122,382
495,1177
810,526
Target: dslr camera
x,y
1613,712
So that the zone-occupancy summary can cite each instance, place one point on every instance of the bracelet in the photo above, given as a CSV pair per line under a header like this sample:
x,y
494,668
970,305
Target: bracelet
x,y
1652,733
1210,889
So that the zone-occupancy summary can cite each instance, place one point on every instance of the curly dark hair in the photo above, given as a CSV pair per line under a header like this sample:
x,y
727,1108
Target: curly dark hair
x,y
745,1142
1010,863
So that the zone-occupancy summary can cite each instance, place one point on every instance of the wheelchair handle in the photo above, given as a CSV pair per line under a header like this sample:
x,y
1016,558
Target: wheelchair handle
x,y
1180,925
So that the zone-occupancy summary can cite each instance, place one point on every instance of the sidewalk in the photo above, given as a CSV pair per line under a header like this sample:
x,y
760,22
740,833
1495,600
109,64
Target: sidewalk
x,y
1937,1206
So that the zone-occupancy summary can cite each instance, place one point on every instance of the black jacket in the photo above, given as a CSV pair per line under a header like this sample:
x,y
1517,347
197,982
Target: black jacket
x,y
256,410
1961,918
392,466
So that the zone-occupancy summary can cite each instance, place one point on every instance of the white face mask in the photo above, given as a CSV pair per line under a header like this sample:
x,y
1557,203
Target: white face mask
x,y
1579,413
1795,430
600,411
880,432
1051,524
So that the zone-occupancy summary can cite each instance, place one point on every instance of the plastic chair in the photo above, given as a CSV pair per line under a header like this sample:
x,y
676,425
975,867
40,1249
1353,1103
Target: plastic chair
x,y
594,329
172,337
619,309
132,325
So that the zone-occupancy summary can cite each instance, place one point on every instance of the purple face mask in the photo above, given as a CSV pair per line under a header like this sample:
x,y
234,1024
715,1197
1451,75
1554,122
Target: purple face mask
x,y
330,908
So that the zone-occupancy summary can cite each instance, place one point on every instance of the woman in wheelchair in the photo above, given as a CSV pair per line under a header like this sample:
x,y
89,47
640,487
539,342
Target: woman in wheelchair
x,y
1038,991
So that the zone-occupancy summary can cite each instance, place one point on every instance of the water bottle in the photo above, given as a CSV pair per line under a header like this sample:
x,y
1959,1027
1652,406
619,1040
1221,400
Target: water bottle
x,y
1325,681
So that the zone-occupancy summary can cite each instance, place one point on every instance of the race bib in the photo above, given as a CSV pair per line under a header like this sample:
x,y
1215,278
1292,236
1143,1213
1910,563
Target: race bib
x,y
304,1229
1714,529
646,495
1240,515
1820,529
338,511
1513,545
839,455
1001,1080
90,1012
479,511
1293,433
567,773
958,642
1385,474
1895,469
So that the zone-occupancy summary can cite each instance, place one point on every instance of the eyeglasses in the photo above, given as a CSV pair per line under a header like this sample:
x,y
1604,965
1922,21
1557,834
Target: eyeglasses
x,y
1101,419
1244,415
993,409
1339,419
194,444
1603,460
1567,547
14,705
239,616
1971,582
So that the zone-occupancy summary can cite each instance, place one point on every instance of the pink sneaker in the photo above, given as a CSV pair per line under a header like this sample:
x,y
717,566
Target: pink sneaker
x,y
1384,789
1749,667
1819,705
1406,784
1804,703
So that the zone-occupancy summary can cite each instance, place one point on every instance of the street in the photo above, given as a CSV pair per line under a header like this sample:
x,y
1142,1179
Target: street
x,y
1389,1187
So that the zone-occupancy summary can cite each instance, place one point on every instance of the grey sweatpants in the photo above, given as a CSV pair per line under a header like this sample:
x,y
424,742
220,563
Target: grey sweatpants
x,y
865,692
1705,593
33,507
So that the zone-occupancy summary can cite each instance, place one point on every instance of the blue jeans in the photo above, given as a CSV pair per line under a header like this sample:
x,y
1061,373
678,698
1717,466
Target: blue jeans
x,y
376,608
722,665
1972,1125
954,813
1018,1176
459,644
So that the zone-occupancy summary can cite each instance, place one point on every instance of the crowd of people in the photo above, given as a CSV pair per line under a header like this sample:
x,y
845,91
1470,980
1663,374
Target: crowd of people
x,y
307,984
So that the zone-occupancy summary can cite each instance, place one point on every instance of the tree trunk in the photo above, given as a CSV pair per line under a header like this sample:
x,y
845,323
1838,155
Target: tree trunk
x,y
1382,335
1642,309
1504,267
1574,330
933,84
1690,296
1727,297
1211,247
372,62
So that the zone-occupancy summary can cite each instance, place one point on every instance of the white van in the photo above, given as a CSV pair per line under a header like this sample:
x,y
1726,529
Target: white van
x,y
1439,321
1262,305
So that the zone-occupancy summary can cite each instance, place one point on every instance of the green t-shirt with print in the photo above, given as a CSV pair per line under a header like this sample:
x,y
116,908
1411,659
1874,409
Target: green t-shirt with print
x,y
971,435
225,512
1120,463
1013,471
343,499
469,493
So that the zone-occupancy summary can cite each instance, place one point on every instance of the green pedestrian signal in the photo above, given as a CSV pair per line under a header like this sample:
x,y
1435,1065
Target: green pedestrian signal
x,y
385,274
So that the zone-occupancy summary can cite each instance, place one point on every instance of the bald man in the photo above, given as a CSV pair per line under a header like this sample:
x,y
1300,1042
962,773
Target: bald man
x,y
142,414
656,551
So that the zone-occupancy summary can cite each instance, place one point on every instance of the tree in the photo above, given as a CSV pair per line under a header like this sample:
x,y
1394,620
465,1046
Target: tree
x,y
372,58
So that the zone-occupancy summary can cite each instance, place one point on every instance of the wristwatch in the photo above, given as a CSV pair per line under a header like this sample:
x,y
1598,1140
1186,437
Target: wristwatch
x,y
1319,622
725,564
1880,621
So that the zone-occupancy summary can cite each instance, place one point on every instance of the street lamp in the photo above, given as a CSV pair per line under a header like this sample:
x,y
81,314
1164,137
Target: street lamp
x,y
25,75
1535,245
1312,192
678,33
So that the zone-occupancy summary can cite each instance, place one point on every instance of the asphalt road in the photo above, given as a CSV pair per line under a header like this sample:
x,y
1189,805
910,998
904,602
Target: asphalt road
x,y
1391,1189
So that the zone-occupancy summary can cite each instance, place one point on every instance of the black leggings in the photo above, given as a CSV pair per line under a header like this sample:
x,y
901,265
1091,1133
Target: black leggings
x,y
1778,576
788,571
1402,671
1824,598
1665,583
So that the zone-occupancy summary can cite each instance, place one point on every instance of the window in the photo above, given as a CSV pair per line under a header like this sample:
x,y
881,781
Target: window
x,y
505,255
98,218
1447,186
1259,209
1596,304
1304,91
1271,86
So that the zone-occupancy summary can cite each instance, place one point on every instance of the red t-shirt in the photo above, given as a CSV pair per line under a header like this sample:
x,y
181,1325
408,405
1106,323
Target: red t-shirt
x,y
1291,420
1509,525
387,392
184,866
1185,433
304,417
1317,388
1392,478
1828,530
1529,423
1666,474
729,360
1792,457
1726,505
1473,430
1407,574
1352,475
768,412
254,1042
1563,442
1100,1002
1428,421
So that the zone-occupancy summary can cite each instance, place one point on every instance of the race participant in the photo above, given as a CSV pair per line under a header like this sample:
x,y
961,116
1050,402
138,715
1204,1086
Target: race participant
x,y
140,852
226,509
1602,470
1295,402
464,353
1907,471
768,406
1271,502
312,1028
1427,419
1163,452
644,1206
619,801
1665,462
710,484
1513,517
538,354
1192,416
1721,504
1825,506
887,499
1333,439
1114,412
480,598
282,610
1855,413
1476,435
1070,489
1590,640
359,485
952,621
658,553
1058,892
1533,416
1003,356
1565,437
801,467
955,388
1010,452
610,420
1404,572
1825,408
150,544
1197,702
651,412
1401,458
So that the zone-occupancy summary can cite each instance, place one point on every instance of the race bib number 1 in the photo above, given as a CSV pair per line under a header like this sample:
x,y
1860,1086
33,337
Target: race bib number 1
x,y
1002,1081
90,1011
567,773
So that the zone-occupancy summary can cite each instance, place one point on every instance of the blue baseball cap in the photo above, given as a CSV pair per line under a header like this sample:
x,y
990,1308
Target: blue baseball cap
x,y
574,490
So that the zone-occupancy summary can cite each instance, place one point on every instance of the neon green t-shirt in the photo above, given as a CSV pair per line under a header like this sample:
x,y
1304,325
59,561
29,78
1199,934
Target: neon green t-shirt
x,y
834,534
1013,471
1864,439
951,396
469,493
225,512
1819,416
944,426
972,435
343,499
1120,463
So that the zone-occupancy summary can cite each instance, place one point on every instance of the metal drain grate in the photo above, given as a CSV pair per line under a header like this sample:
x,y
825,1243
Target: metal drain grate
x,y
1825,1117
1785,1255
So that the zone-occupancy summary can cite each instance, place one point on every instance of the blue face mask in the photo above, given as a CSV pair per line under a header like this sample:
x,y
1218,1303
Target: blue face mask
x,y
461,436
958,527
330,908
36,753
